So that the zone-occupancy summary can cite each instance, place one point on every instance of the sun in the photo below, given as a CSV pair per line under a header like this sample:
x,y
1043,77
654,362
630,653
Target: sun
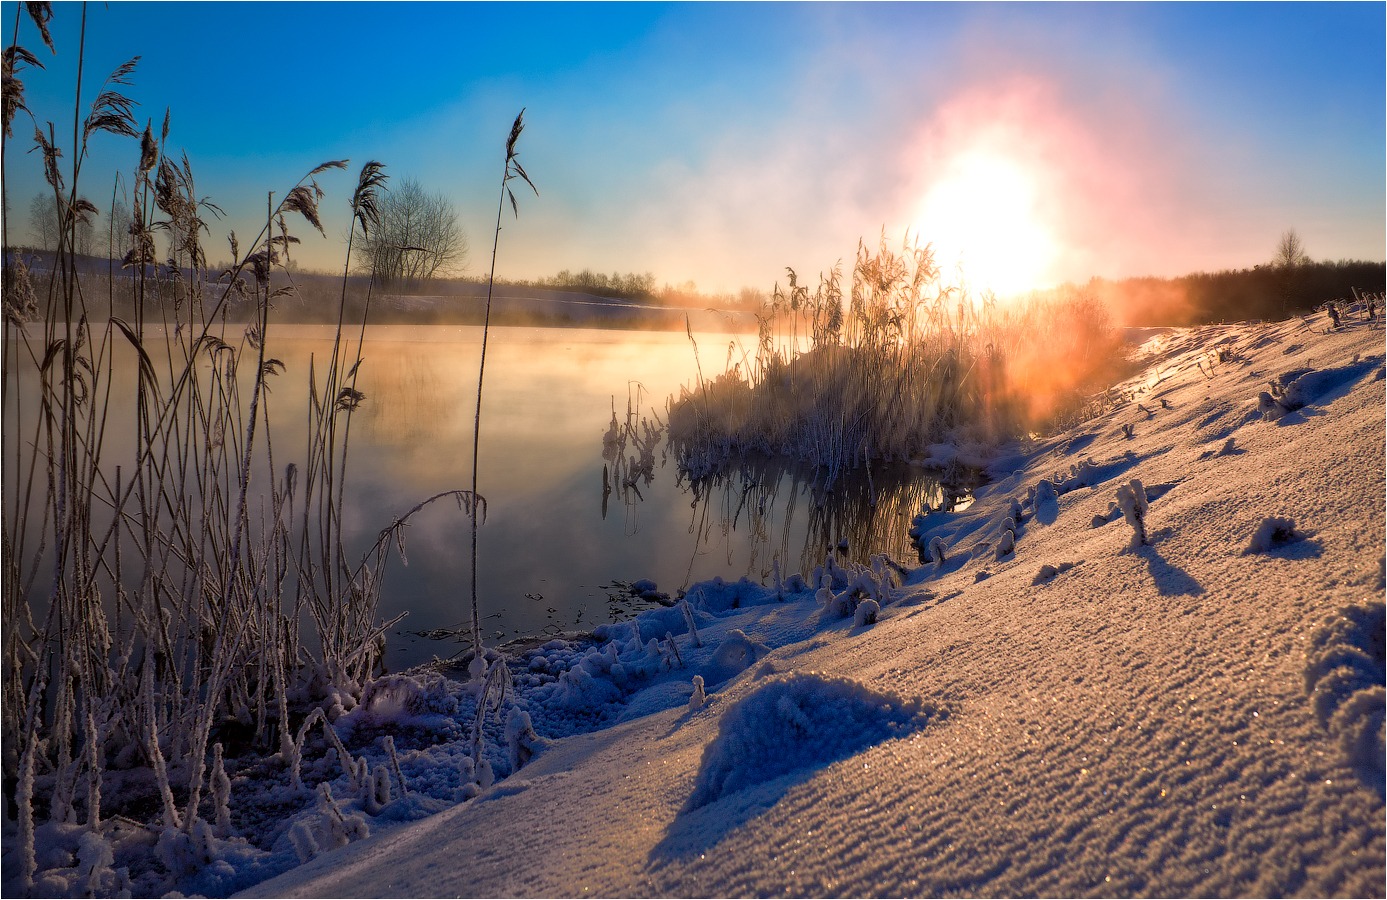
x,y
983,216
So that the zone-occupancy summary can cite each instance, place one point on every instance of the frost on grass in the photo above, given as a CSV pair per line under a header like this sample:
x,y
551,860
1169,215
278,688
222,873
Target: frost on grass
x,y
798,722
1131,499
521,739
866,613
699,696
1344,678
1273,532
1006,544
1045,502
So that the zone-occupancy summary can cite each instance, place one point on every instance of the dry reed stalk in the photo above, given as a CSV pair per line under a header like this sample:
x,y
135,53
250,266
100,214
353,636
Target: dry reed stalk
x,y
512,169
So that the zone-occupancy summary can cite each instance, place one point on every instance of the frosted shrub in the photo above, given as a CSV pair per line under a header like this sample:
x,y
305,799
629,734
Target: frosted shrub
x,y
666,655
1006,544
304,844
1082,474
94,861
936,552
689,620
467,780
697,698
183,852
521,739
866,613
1270,408
334,827
1131,499
375,790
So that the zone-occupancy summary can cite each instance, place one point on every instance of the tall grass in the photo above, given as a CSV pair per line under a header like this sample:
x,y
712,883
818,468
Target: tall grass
x,y
511,170
160,595
902,362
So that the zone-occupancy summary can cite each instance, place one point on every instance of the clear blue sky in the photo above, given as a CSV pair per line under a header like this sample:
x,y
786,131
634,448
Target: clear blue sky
x,y
723,142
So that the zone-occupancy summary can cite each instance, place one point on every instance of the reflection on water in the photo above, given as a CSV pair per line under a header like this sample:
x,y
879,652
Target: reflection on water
x,y
579,491
783,513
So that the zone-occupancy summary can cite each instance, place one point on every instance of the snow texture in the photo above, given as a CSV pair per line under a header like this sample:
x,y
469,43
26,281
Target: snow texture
x,y
1344,677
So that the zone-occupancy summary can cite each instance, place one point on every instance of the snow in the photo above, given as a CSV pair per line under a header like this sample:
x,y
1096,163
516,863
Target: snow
x,y
1176,717
1173,718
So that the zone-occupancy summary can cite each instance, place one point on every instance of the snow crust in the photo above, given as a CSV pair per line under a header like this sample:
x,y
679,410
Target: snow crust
x,y
1173,716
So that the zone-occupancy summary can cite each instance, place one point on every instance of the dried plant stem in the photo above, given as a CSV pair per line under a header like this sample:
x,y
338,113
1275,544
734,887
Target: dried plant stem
x,y
512,169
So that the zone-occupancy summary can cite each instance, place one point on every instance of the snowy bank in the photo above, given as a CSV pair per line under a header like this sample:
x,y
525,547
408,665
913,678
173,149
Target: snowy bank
x,y
1147,660
1178,716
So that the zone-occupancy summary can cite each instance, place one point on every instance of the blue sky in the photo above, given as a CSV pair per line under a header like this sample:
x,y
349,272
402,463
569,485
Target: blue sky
x,y
720,143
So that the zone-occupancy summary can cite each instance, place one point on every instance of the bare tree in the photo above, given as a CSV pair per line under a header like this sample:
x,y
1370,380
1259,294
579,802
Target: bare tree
x,y
85,234
118,231
43,221
1290,251
1289,262
419,237
46,225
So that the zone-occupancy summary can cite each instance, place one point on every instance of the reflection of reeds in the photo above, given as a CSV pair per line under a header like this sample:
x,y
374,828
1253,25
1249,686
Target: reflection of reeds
x,y
760,498
903,362
624,473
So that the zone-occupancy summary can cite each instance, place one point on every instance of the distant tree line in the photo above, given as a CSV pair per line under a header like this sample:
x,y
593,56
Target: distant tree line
x,y
1289,284
1262,292
631,286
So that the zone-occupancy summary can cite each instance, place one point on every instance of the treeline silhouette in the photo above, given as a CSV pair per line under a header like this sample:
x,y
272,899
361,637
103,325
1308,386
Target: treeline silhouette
x,y
1262,292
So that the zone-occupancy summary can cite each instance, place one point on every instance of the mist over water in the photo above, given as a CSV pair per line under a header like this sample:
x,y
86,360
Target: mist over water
x,y
562,535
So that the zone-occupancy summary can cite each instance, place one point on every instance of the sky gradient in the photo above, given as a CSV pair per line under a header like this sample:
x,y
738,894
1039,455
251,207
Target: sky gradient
x,y
720,143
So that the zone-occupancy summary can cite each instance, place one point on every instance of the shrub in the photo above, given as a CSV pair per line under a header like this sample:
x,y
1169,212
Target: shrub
x,y
902,362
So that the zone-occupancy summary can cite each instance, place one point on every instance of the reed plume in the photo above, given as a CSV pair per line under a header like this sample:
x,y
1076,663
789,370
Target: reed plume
x,y
512,169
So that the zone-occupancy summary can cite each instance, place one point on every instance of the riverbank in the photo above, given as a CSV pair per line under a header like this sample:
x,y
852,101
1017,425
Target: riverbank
x,y
1081,715
1049,706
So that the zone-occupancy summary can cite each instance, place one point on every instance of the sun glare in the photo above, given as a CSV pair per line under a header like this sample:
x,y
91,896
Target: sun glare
x,y
983,216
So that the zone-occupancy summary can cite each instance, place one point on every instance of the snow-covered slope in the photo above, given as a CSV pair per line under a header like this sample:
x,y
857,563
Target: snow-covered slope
x,y
1172,718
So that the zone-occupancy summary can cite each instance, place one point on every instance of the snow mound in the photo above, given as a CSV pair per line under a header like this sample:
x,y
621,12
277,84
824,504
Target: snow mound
x,y
800,721
1306,387
1273,532
1345,679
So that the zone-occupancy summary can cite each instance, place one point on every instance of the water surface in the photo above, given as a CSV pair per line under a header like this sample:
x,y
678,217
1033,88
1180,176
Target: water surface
x,y
565,527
